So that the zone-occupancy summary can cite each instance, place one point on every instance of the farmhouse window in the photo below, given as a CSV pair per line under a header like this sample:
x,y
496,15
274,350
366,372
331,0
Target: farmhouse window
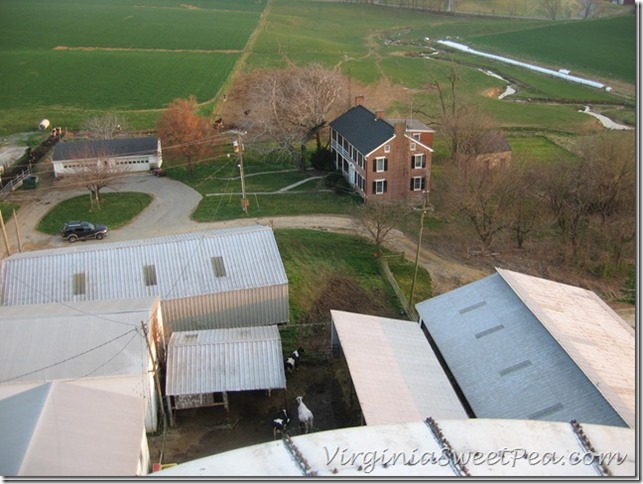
x,y
218,266
418,161
379,187
79,284
416,136
380,164
387,148
417,183
149,274
412,146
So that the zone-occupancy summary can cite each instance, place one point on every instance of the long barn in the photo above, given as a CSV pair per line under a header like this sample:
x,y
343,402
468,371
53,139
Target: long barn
x,y
205,280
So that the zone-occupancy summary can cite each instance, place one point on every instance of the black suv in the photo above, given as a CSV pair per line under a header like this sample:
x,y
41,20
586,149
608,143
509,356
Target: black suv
x,y
80,230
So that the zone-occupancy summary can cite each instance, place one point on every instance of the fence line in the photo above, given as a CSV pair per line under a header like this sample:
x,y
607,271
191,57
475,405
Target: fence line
x,y
409,310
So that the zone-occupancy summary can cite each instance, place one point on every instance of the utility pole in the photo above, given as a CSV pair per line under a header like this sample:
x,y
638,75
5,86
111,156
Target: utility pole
x,y
238,148
417,254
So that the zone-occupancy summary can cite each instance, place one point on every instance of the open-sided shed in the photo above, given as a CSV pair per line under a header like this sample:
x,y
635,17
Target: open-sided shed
x,y
396,376
204,365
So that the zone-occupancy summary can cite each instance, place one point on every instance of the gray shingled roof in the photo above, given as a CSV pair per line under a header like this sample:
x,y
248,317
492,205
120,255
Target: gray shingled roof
x,y
505,361
362,129
72,150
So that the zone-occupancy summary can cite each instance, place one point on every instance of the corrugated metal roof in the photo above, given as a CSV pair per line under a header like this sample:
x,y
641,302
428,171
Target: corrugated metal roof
x,y
62,429
183,266
224,360
396,376
74,150
505,361
62,341
592,334
486,448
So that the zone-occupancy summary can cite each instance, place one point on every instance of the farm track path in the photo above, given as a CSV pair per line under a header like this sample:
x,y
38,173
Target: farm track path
x,y
169,213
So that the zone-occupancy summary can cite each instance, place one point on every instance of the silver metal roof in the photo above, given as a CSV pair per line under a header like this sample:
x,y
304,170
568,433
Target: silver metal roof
x,y
483,447
224,360
63,341
389,357
184,265
505,361
62,429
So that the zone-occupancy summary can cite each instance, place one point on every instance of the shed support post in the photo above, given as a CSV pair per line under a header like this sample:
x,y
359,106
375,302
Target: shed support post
x,y
170,410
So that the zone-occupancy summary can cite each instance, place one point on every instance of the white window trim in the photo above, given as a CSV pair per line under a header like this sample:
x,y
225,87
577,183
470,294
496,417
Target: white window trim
x,y
415,160
387,148
412,146
377,164
376,184
415,187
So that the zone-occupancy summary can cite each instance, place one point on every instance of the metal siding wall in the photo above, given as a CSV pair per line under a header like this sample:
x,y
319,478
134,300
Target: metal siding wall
x,y
250,307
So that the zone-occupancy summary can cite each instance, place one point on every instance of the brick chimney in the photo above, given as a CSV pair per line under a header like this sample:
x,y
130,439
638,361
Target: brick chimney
x,y
379,114
359,100
400,128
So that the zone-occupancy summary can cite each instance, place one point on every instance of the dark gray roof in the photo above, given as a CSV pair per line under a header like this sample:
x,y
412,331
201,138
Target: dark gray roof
x,y
505,361
362,129
72,150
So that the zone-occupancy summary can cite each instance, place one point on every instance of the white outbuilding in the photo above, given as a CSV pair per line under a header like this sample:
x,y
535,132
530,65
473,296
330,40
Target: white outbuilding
x,y
110,345
120,154
205,280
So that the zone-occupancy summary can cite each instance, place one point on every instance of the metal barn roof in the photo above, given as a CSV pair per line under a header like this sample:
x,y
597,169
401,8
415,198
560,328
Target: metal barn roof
x,y
396,376
172,267
483,448
224,360
62,429
592,334
60,341
506,362
76,150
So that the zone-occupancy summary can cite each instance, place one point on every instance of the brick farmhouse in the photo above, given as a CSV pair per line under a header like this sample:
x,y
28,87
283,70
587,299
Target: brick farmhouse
x,y
382,159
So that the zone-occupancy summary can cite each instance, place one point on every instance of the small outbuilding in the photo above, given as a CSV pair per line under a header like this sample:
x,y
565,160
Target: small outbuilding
x,y
126,154
204,366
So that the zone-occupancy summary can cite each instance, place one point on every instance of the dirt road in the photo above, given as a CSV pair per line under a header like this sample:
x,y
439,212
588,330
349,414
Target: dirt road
x,y
169,213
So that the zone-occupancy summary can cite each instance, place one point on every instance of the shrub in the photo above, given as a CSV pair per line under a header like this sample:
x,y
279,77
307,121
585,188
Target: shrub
x,y
338,183
322,159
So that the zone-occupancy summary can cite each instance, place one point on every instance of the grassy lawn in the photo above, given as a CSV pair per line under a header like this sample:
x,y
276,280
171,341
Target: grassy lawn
x,y
538,148
116,210
228,207
323,266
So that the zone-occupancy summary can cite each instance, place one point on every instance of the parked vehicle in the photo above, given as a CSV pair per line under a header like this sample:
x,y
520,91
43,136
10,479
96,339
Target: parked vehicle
x,y
82,230
158,171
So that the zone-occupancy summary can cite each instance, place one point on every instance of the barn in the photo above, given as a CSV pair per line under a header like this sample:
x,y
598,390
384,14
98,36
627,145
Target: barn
x,y
205,280
203,366
524,347
97,344
126,154
61,429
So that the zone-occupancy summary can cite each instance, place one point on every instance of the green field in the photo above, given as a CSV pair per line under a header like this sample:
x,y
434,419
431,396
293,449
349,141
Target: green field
x,y
73,59
148,52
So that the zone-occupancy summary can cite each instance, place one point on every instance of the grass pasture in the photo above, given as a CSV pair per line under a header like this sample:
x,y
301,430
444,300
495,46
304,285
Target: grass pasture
x,y
62,59
551,44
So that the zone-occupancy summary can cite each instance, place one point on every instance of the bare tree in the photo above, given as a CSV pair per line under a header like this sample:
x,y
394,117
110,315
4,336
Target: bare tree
x,y
107,126
289,107
379,220
486,197
96,170
525,211
552,8
588,7
185,135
